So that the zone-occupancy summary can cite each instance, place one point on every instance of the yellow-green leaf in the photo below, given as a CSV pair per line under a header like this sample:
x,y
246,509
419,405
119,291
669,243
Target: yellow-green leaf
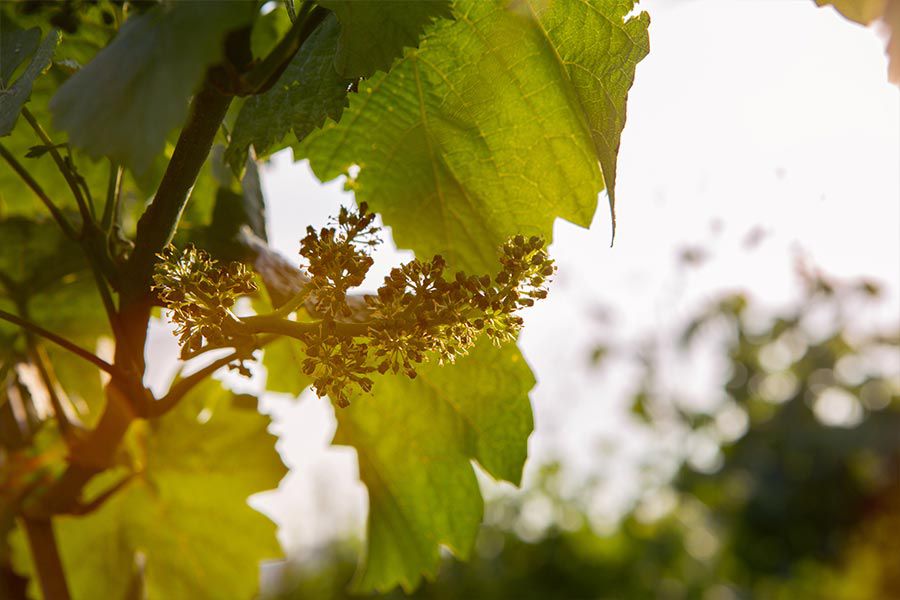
x,y
499,123
185,515
126,101
415,440
374,32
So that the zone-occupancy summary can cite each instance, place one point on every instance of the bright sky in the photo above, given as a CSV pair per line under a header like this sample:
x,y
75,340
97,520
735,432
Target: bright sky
x,y
747,115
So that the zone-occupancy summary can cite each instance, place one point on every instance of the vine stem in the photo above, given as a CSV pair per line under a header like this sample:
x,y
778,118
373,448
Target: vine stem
x,y
61,341
86,212
181,388
157,225
297,329
60,219
292,12
155,230
45,553
113,194
267,72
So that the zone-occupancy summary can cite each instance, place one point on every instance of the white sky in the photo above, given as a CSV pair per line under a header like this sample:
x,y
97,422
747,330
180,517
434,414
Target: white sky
x,y
746,114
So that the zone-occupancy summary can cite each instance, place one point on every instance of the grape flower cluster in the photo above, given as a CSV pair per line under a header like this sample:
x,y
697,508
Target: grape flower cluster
x,y
421,311
199,293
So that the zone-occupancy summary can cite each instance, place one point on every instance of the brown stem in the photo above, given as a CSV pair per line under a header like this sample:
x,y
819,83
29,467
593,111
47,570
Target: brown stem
x,y
88,456
158,223
47,562
37,189
86,216
126,400
181,388
61,341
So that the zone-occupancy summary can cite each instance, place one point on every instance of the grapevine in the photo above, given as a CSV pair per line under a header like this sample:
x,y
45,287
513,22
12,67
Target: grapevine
x,y
420,312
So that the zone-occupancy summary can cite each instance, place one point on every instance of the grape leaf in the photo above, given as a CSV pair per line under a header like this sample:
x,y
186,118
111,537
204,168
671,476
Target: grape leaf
x,y
415,439
307,92
282,360
35,250
15,46
493,127
15,96
374,32
78,46
268,31
126,101
16,198
186,511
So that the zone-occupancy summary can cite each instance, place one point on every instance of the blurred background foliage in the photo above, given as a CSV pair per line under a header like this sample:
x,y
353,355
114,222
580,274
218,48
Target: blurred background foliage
x,y
786,484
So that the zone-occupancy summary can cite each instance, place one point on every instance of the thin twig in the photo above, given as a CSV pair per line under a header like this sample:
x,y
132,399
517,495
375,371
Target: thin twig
x,y
272,323
292,13
45,553
66,417
89,507
108,305
180,389
63,167
113,192
62,342
60,218
267,72
295,302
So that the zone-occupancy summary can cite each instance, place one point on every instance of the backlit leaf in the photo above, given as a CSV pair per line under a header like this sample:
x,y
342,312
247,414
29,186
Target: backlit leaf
x,y
16,95
374,32
126,101
15,46
415,440
495,126
307,92
185,514
283,359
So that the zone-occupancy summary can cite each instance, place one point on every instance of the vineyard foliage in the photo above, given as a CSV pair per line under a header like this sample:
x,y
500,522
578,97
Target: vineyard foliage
x,y
463,123
132,130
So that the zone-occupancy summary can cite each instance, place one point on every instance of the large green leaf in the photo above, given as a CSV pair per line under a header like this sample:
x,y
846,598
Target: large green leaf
x,y
374,32
16,95
282,360
307,92
15,46
15,197
493,127
415,439
126,101
186,512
